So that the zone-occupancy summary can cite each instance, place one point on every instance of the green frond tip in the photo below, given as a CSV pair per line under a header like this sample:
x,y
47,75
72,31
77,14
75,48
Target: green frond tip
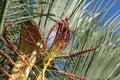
x,y
4,6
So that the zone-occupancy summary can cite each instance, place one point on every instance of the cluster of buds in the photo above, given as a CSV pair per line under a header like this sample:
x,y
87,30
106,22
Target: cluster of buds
x,y
62,37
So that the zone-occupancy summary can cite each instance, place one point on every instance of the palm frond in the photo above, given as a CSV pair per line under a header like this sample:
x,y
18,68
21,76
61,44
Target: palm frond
x,y
88,28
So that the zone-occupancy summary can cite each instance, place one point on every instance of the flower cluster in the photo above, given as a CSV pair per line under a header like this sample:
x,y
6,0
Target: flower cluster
x,y
34,37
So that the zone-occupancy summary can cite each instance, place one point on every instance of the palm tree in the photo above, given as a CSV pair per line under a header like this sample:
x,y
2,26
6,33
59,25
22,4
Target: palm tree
x,y
26,27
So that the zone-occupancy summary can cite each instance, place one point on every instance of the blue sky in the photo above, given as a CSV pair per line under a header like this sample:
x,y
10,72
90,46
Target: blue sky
x,y
114,9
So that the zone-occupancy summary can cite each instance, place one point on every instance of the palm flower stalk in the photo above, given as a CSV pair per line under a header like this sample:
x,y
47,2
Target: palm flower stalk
x,y
32,44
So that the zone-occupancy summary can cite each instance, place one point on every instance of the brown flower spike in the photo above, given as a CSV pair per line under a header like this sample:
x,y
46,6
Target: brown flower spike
x,y
60,43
